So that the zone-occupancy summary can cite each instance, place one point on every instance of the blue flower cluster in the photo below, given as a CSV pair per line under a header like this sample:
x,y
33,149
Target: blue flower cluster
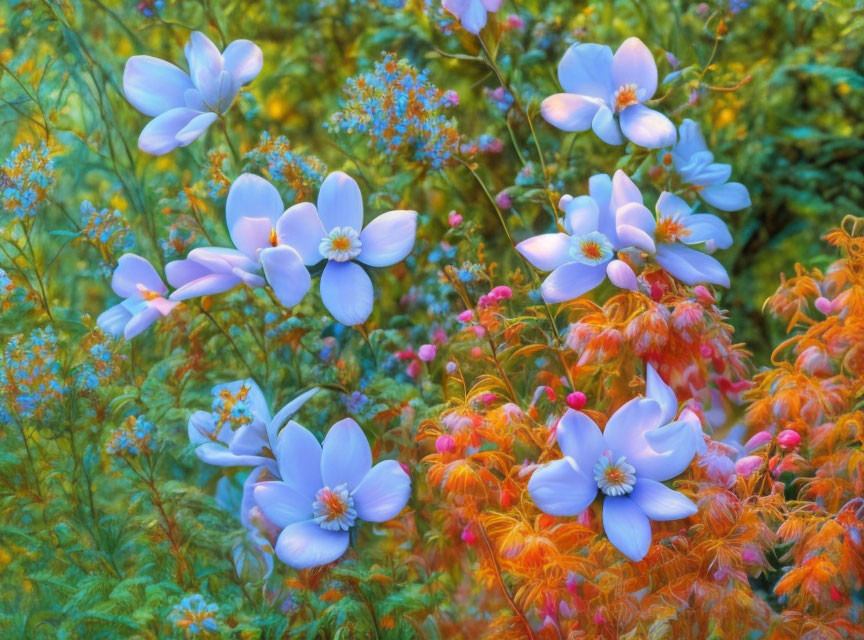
x,y
31,377
106,230
301,173
136,436
400,111
25,178
195,617
98,371
230,406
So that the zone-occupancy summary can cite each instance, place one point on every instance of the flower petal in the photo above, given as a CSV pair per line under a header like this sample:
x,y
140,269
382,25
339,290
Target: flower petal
x,y
346,291
561,489
160,135
579,438
637,215
298,456
304,545
340,203
286,412
286,274
388,238
629,236
205,286
113,320
133,270
301,228
281,504
690,140
473,18
571,280
624,191
705,227
346,456
219,455
252,197
383,492
196,127
205,66
547,251
243,60
659,502
154,86
646,127
606,127
731,196
691,266
662,393
672,207
586,69
627,527
625,429
668,450
582,215
569,112
140,321
621,275
634,64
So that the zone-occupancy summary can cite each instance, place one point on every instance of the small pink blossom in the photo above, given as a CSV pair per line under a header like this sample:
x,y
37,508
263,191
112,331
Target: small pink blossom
x,y
445,443
759,440
503,200
466,316
454,219
788,439
747,465
427,352
576,400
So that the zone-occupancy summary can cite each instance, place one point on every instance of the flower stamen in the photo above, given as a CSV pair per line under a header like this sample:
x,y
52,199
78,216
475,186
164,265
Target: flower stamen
x,y
625,96
614,478
333,509
341,244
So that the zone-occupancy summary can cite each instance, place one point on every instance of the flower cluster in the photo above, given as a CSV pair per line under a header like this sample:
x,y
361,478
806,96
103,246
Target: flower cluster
x,y
302,174
401,112
31,376
107,231
195,617
135,437
25,179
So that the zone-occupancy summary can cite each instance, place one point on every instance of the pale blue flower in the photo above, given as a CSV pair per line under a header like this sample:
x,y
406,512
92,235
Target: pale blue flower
x,y
641,446
183,105
325,490
144,302
471,13
695,164
607,93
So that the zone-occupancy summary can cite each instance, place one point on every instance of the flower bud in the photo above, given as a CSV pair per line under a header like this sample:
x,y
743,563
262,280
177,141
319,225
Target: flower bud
x,y
451,367
454,219
503,200
824,305
747,465
427,352
576,400
468,535
788,439
445,443
759,440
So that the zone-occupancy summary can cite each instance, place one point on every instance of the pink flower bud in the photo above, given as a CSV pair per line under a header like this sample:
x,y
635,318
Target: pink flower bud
x,y
445,443
476,352
759,440
451,97
489,398
427,352
439,336
824,305
788,439
468,536
576,400
414,369
515,22
466,316
455,219
502,292
479,330
485,301
703,295
503,200
747,465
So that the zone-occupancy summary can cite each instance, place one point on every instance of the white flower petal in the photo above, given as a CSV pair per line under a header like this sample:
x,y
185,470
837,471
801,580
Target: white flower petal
x,y
243,60
634,64
154,86
646,127
252,197
731,196
133,270
346,291
624,191
586,69
340,203
160,135
579,438
659,502
672,207
571,280
606,126
561,489
346,456
569,112
205,66
286,412
286,274
705,227
113,320
388,239
298,455
691,266
582,215
627,527
630,236
304,545
219,455
281,504
196,127
656,389
624,433
547,251
383,492
301,228
621,275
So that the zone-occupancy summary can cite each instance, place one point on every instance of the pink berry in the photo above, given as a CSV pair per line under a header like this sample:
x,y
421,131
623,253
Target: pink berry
x,y
576,400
